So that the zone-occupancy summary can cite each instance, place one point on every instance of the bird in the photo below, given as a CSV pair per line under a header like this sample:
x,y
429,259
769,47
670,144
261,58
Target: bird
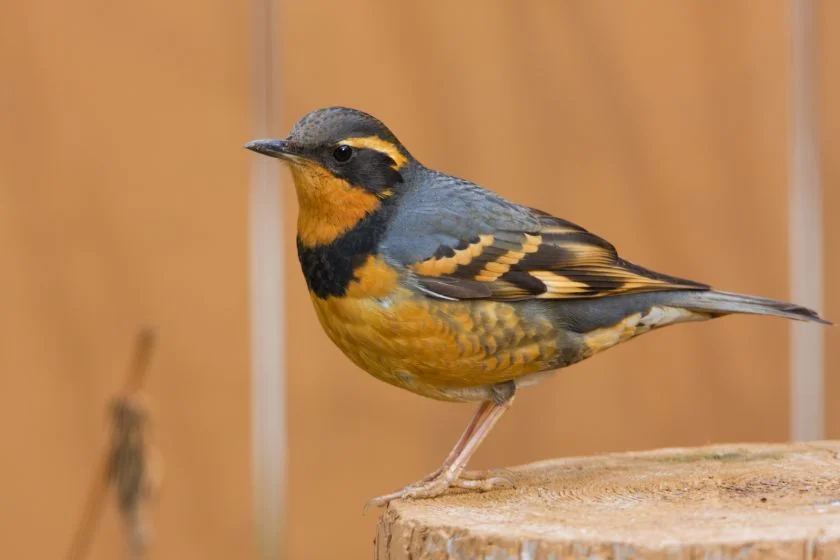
x,y
439,286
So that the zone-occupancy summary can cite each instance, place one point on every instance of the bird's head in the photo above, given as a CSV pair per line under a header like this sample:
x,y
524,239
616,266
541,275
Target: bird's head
x,y
345,163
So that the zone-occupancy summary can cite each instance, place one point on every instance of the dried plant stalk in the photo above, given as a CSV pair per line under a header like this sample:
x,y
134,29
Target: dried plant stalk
x,y
130,463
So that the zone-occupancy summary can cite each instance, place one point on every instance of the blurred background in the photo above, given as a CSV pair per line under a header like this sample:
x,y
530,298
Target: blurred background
x,y
678,130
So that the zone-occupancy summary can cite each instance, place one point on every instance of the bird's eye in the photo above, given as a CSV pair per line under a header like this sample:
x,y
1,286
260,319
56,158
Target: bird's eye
x,y
342,154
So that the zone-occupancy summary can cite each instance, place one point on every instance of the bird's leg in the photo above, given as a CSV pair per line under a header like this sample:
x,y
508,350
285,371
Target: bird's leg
x,y
449,475
478,480
462,441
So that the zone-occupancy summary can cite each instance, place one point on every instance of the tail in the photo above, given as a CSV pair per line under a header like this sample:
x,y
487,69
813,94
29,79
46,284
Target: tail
x,y
723,303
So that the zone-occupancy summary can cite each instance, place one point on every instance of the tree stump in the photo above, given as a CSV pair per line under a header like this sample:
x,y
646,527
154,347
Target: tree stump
x,y
725,501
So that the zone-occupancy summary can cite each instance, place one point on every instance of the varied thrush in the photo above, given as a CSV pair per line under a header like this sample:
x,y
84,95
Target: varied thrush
x,y
439,286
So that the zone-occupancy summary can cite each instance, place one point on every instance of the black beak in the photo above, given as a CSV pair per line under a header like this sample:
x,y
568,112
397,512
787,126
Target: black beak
x,y
282,149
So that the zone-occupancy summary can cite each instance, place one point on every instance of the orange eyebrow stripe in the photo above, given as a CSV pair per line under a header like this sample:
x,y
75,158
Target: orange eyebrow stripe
x,y
380,145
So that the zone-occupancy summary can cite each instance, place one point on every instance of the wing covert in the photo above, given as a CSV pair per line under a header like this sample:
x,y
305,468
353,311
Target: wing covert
x,y
557,260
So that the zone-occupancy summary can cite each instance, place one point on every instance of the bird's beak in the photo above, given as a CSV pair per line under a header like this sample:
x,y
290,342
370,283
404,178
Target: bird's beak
x,y
281,149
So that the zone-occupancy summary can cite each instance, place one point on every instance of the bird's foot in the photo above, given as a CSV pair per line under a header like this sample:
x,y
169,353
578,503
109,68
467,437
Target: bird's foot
x,y
437,483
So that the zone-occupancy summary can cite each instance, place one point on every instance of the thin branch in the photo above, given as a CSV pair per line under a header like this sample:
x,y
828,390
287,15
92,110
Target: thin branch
x,y
128,419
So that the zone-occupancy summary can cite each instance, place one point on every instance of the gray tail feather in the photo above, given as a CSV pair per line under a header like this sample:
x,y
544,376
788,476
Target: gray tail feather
x,y
725,302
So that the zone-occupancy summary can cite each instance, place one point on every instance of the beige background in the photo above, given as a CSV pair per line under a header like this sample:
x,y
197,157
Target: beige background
x,y
829,93
123,201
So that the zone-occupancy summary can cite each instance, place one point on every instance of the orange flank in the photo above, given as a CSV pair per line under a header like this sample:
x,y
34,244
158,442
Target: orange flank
x,y
435,348
374,279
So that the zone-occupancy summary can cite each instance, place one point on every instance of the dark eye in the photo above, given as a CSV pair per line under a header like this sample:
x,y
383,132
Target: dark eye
x,y
343,154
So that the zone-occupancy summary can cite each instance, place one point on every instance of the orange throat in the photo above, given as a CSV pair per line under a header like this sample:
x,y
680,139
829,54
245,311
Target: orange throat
x,y
329,206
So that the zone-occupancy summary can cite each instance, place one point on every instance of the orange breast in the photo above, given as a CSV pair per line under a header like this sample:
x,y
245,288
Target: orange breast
x,y
431,346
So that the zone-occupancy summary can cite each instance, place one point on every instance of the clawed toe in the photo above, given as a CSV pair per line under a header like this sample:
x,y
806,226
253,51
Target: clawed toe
x,y
484,484
437,485
451,474
503,475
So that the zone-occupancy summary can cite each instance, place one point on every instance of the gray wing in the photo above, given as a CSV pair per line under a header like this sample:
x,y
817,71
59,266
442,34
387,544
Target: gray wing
x,y
441,211
460,241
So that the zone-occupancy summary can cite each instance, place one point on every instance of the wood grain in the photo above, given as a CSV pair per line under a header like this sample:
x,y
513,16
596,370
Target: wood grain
x,y
727,501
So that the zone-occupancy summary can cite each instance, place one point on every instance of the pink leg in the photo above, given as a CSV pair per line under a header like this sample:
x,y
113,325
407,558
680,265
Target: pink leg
x,y
465,436
448,475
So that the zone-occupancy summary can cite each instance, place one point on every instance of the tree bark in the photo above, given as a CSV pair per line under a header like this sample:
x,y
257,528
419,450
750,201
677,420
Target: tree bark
x,y
726,501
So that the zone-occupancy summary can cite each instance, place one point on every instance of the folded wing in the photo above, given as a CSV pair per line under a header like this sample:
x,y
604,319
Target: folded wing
x,y
556,260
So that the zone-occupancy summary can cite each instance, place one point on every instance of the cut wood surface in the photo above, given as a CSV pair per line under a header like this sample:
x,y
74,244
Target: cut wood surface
x,y
725,501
